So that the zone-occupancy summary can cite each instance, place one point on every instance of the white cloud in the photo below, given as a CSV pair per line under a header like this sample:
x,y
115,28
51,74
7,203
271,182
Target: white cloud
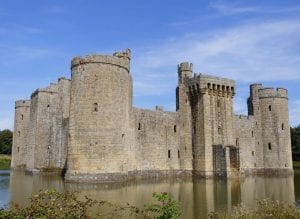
x,y
227,8
231,8
264,51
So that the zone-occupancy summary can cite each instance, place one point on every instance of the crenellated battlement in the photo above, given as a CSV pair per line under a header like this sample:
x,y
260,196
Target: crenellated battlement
x,y
22,103
211,85
272,93
120,59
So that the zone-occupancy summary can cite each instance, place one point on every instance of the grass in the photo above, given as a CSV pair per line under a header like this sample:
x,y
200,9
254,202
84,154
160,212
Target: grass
x,y
5,162
296,164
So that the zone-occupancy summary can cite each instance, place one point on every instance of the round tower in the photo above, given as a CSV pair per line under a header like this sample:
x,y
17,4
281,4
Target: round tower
x,y
19,147
275,126
101,102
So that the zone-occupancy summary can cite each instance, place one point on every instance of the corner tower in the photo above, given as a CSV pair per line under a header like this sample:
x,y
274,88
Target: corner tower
x,y
99,131
275,128
19,148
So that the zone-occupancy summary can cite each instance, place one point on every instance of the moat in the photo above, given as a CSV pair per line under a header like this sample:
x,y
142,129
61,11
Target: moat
x,y
196,197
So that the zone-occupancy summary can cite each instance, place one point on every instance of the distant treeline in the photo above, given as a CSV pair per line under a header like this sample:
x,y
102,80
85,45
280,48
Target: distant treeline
x,y
295,135
7,135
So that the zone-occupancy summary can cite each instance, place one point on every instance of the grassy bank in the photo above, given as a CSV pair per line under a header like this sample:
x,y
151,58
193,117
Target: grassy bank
x,y
5,162
296,164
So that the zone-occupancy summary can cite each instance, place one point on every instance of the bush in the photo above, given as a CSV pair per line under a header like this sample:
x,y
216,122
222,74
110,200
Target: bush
x,y
265,209
6,137
167,209
52,204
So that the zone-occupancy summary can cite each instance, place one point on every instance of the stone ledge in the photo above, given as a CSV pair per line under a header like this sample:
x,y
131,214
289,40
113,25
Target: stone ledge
x,y
131,175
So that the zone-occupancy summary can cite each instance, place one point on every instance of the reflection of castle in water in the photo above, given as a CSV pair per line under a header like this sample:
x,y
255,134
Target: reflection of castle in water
x,y
197,197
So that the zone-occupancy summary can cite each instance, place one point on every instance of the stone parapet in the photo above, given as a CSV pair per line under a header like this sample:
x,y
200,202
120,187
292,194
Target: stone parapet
x,y
272,93
22,103
121,60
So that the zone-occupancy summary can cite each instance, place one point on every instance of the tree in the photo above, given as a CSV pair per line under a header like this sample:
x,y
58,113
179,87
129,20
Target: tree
x,y
295,137
6,137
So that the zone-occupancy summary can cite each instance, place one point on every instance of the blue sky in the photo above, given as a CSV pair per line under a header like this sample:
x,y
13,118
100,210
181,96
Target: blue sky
x,y
248,41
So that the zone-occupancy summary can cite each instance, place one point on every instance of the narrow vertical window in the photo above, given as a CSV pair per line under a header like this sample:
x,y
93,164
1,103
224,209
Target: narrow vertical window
x,y
270,108
252,133
95,107
18,149
269,146
237,142
169,153
178,153
19,133
219,130
282,126
22,116
252,153
174,128
139,127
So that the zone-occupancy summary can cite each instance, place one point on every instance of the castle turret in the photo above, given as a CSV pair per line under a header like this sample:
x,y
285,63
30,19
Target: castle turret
x,y
185,71
48,128
183,108
101,103
276,139
254,109
19,148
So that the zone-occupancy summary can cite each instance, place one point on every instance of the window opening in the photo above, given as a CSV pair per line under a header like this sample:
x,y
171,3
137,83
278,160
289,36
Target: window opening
x,y
270,146
95,107
169,153
139,128
270,108
174,128
178,153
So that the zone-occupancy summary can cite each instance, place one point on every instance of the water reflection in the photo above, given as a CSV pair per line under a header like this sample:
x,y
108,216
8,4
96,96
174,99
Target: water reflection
x,y
4,182
197,197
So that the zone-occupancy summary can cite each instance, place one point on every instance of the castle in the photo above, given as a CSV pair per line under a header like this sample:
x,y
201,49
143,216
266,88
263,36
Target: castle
x,y
87,127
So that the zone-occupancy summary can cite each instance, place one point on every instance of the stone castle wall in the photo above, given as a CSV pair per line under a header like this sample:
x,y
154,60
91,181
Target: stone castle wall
x,y
245,140
157,140
88,127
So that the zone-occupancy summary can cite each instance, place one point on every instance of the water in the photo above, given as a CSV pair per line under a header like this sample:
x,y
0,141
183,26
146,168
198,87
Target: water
x,y
197,197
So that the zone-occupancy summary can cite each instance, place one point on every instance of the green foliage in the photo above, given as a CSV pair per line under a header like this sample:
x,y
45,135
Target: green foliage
x,y
52,204
295,137
5,162
6,137
265,209
166,209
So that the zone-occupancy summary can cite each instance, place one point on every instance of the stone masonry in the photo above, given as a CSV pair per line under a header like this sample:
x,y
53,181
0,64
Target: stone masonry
x,y
87,128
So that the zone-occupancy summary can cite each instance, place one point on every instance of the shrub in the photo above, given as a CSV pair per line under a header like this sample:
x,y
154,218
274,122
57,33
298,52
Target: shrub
x,y
53,204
